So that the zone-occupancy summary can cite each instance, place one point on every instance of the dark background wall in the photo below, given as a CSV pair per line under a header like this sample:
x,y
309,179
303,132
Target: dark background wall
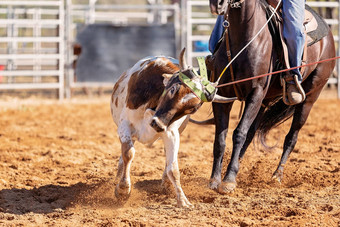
x,y
109,50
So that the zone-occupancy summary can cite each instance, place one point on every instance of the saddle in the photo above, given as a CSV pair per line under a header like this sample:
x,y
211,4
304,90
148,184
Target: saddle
x,y
315,29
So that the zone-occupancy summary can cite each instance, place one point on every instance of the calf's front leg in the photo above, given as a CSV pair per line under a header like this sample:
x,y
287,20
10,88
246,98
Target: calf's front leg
x,y
166,183
171,144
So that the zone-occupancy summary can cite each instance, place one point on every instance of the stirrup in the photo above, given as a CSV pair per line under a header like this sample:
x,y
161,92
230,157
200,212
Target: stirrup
x,y
284,81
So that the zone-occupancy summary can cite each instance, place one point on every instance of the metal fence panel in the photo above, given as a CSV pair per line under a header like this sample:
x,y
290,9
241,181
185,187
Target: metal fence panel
x,y
32,45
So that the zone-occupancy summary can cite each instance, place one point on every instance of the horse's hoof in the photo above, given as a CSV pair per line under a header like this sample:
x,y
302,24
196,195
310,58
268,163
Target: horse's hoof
x,y
226,187
122,192
276,178
213,184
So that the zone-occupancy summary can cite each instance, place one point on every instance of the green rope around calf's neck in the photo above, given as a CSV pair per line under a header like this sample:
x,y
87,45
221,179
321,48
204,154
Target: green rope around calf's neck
x,y
207,86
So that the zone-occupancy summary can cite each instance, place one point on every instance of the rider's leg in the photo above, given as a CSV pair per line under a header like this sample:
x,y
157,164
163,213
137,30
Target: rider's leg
x,y
293,17
216,34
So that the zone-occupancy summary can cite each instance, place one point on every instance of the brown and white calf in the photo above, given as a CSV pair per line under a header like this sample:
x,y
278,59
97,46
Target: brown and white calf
x,y
149,102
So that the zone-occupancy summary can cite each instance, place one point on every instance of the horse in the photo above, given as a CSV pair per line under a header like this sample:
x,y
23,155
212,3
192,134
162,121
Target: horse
x,y
264,106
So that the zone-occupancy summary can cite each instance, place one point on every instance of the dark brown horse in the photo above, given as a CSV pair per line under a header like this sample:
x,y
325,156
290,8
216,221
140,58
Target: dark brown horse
x,y
264,107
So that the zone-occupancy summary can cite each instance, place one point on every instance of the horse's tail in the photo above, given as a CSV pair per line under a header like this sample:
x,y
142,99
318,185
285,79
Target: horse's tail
x,y
275,114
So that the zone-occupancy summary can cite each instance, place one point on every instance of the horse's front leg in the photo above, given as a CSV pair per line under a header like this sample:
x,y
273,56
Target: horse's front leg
x,y
252,107
221,116
251,132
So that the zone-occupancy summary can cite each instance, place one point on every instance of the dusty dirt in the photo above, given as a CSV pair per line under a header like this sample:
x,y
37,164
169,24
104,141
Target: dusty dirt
x,y
58,162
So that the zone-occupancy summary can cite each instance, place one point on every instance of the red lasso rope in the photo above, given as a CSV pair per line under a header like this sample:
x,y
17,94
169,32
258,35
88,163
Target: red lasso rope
x,y
276,72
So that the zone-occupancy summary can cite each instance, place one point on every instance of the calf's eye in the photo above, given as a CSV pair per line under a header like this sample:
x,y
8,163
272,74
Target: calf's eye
x,y
172,90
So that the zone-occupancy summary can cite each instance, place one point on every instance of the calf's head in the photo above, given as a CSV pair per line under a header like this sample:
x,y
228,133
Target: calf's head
x,y
184,93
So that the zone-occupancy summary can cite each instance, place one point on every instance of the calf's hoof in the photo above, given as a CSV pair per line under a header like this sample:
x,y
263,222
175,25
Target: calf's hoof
x,y
122,192
184,203
213,184
226,187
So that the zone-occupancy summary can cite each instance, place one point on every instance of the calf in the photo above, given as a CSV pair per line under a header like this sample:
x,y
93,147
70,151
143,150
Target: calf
x,y
150,101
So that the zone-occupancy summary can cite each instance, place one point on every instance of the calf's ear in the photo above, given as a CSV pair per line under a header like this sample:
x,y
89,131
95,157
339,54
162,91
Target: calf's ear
x,y
166,78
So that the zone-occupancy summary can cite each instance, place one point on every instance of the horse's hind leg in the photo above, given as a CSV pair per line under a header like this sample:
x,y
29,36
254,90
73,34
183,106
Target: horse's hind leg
x,y
313,85
299,119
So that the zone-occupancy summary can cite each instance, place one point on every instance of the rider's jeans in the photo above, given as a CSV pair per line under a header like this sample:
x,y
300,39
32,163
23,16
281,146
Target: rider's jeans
x,y
216,34
293,17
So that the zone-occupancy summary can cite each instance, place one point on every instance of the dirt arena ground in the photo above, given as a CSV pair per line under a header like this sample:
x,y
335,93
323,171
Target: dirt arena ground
x,y
58,162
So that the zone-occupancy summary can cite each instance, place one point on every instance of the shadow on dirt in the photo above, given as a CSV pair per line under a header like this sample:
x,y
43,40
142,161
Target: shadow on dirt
x,y
195,188
45,199
151,187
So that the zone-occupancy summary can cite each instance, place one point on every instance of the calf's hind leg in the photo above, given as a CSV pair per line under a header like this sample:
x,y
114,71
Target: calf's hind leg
x,y
123,188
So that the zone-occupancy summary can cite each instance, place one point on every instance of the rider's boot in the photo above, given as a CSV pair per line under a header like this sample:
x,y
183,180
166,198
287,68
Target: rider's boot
x,y
294,91
294,95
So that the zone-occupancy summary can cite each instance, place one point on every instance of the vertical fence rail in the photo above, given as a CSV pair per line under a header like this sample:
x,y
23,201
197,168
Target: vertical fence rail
x,y
199,25
62,50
